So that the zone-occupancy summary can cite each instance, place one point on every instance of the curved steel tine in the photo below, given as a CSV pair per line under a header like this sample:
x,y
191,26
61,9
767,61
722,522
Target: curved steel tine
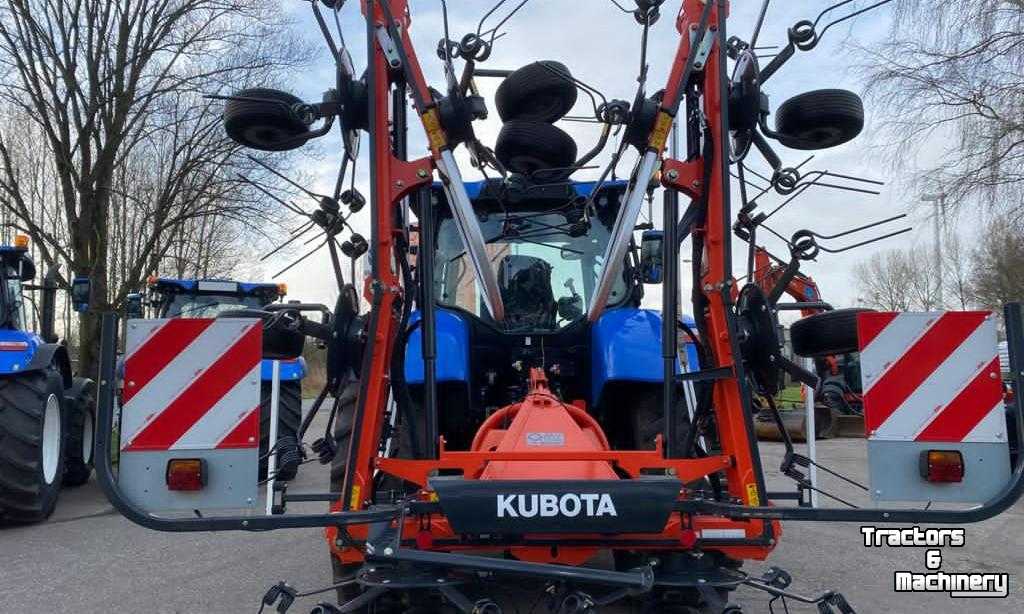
x,y
326,32
854,178
291,207
859,228
863,243
306,255
846,17
313,195
308,226
760,23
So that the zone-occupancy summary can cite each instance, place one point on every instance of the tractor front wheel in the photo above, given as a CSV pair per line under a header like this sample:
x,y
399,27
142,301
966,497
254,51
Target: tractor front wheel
x,y
31,445
80,406
289,417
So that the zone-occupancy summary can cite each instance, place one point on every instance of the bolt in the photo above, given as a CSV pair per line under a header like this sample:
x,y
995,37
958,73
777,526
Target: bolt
x,y
422,173
672,174
399,184
385,581
388,551
992,376
245,523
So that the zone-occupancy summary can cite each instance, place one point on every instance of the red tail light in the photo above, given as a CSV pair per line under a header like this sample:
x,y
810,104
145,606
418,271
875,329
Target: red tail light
x,y
942,466
186,474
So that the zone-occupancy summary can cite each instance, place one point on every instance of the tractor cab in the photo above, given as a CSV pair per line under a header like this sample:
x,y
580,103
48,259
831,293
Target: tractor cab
x,y
212,298
206,298
546,244
16,267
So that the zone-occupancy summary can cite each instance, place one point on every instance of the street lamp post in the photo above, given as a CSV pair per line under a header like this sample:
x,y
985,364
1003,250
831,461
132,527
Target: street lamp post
x,y
940,222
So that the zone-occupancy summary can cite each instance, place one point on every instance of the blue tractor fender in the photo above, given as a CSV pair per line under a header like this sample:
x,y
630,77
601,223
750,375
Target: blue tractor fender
x,y
25,351
626,347
290,370
452,333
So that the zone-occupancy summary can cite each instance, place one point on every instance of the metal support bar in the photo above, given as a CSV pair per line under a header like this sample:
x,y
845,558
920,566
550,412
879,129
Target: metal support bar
x,y
641,579
669,328
622,234
811,436
802,305
428,333
469,231
275,400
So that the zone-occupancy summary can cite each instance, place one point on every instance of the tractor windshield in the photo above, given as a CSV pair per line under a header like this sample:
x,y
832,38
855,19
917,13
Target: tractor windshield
x,y
547,276
14,307
209,305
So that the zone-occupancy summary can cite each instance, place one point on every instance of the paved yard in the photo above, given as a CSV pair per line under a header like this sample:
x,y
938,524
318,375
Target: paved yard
x,y
88,559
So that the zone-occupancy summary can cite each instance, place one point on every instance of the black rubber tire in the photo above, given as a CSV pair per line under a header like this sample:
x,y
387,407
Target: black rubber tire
x,y
25,495
536,93
262,122
647,418
80,409
819,119
826,333
527,147
289,417
343,433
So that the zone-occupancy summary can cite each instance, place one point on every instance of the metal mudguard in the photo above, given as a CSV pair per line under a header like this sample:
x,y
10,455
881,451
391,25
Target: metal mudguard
x,y
17,361
290,370
625,346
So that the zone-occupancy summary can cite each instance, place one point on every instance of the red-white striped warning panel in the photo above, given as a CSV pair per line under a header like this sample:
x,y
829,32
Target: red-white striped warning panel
x,y
931,377
189,384
191,390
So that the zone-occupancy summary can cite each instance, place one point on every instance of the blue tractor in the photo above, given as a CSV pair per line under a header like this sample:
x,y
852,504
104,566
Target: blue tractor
x,y
46,413
209,298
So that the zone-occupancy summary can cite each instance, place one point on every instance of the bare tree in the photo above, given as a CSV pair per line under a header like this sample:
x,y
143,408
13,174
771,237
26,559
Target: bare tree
x,y
112,92
998,271
953,70
884,281
956,271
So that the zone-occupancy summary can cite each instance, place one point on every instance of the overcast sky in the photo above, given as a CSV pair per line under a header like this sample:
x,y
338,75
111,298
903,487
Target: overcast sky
x,y
600,45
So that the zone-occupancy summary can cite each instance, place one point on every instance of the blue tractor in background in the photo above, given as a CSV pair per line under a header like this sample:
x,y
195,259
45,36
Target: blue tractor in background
x,y
209,298
46,413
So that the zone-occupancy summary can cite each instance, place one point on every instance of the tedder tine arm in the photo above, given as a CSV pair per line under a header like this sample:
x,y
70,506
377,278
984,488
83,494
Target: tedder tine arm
x,y
441,151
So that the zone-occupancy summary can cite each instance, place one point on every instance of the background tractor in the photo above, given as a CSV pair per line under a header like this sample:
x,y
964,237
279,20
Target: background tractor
x,y
46,413
209,298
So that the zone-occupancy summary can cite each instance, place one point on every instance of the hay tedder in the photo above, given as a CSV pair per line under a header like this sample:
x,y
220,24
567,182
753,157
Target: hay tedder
x,y
507,409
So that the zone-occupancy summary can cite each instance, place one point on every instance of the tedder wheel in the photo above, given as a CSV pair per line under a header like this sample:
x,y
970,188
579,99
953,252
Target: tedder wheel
x,y
819,119
31,445
541,92
264,119
526,147
80,407
289,417
826,333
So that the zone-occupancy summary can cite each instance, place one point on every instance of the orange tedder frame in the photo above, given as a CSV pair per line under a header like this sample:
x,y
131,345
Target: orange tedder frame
x,y
586,453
